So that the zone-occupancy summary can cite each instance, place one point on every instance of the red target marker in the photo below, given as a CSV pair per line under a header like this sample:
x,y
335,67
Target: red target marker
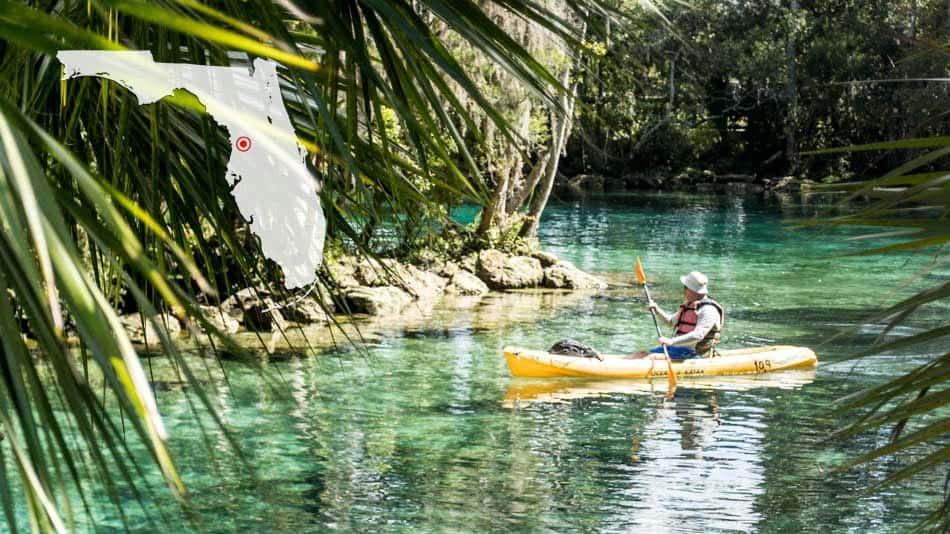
x,y
243,143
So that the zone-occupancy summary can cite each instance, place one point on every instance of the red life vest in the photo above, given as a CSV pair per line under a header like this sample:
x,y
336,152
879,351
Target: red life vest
x,y
689,316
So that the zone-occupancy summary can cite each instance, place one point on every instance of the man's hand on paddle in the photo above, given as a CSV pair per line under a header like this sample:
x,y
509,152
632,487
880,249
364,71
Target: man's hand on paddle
x,y
652,305
665,341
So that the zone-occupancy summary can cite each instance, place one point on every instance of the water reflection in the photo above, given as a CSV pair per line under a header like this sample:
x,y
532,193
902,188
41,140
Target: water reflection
x,y
527,390
694,461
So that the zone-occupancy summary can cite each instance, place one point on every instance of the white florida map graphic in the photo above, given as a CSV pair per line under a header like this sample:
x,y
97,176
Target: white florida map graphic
x,y
270,181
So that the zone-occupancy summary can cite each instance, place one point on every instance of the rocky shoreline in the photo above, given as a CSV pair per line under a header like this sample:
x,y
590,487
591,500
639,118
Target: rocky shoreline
x,y
582,185
374,289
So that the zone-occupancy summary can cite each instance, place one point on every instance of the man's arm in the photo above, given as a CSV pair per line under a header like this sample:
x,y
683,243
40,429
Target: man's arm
x,y
667,318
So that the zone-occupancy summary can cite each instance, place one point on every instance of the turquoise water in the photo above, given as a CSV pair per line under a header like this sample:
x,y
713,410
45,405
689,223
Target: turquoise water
x,y
427,431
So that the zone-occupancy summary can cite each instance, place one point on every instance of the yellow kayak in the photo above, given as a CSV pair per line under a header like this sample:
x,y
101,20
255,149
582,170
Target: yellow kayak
x,y
756,360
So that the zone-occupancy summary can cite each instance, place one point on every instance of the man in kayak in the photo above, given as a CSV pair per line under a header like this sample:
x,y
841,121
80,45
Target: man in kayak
x,y
699,322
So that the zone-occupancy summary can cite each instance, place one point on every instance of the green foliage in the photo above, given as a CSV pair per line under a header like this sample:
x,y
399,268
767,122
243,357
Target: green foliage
x,y
652,101
596,48
913,406
455,241
101,197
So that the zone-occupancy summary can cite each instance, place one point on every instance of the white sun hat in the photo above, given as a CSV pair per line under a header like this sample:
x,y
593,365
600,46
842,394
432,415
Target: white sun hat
x,y
696,282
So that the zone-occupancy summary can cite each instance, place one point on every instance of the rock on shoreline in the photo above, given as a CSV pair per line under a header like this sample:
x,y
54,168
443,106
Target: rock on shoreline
x,y
500,271
563,275
379,288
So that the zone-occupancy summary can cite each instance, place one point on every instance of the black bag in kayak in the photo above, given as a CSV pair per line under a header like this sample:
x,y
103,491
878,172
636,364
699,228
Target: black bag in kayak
x,y
572,347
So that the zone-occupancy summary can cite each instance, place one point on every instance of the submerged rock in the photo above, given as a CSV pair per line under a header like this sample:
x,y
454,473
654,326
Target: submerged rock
x,y
500,271
564,275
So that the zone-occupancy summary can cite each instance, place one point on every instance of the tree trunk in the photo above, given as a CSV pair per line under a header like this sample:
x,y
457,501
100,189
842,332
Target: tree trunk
x,y
508,173
672,84
791,91
517,179
494,213
914,14
520,195
562,130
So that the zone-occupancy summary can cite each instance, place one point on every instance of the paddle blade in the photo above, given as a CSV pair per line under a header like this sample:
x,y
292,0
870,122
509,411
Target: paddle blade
x,y
641,276
670,375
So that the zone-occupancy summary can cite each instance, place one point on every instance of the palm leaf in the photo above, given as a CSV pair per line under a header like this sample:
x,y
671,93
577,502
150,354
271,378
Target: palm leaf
x,y
100,196
920,203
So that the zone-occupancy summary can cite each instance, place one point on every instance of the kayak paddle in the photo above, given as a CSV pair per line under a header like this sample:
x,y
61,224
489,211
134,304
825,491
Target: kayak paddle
x,y
642,278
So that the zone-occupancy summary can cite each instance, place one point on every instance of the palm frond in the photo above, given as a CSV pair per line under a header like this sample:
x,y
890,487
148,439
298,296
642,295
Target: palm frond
x,y
918,202
103,200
